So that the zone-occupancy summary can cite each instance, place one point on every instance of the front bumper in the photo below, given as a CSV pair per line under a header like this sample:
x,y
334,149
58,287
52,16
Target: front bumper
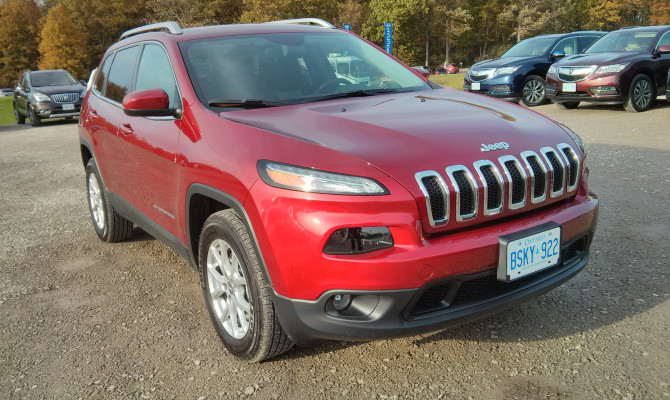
x,y
499,87
55,110
586,90
437,305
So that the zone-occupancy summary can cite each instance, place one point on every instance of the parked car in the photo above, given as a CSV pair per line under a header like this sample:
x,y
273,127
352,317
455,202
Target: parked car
x,y
440,71
451,69
628,66
316,208
6,92
424,71
519,74
47,94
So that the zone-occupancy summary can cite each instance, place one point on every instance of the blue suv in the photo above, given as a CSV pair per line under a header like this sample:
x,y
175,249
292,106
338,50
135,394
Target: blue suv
x,y
519,74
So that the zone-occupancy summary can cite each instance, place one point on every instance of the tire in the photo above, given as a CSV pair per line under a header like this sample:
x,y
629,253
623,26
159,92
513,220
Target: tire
x,y
69,118
232,280
34,119
532,91
641,94
568,105
20,119
109,225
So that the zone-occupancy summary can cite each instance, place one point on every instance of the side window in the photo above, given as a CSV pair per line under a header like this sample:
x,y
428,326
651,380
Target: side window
x,y
120,77
102,73
155,72
665,40
568,45
583,42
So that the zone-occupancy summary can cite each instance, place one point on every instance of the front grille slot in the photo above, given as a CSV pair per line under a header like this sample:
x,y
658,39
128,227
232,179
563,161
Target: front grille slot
x,y
436,194
65,97
538,177
557,168
572,165
492,183
466,192
516,182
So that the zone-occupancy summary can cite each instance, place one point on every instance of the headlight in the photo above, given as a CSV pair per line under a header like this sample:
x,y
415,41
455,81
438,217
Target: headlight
x,y
41,98
606,69
506,70
552,70
311,180
82,94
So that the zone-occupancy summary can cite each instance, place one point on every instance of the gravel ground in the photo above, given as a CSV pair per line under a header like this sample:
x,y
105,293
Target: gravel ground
x,y
84,319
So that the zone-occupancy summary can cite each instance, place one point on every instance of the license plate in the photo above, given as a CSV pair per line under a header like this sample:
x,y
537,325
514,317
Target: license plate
x,y
68,106
527,252
570,87
475,86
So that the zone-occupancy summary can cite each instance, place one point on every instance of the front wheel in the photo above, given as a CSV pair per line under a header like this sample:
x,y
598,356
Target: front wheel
x,y
533,93
568,105
237,295
640,95
34,119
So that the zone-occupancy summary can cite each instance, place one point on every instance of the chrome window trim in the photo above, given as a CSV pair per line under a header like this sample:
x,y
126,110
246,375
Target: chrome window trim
x,y
575,157
524,156
457,191
483,163
445,192
514,206
550,187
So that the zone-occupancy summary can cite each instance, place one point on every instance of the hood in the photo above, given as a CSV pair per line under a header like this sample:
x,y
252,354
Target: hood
x,y
504,62
402,134
49,90
598,59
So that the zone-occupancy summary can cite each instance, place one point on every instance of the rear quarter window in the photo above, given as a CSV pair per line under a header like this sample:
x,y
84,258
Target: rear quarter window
x,y
120,80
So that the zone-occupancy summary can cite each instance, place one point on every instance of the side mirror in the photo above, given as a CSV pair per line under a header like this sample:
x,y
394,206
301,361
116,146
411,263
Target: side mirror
x,y
663,49
557,54
148,103
83,82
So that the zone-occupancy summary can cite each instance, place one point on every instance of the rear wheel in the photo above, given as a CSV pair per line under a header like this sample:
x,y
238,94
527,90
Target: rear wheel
x,y
533,93
108,224
34,119
568,105
237,295
20,119
641,94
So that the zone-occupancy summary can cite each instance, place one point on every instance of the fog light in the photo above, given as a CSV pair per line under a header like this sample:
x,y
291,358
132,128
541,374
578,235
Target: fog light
x,y
341,301
603,90
359,240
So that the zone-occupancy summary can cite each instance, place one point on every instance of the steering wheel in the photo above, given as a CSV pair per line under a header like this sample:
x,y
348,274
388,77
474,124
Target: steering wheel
x,y
337,81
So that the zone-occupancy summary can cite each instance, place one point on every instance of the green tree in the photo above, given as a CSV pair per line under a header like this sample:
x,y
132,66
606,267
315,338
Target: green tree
x,y
62,45
262,11
353,12
19,32
194,12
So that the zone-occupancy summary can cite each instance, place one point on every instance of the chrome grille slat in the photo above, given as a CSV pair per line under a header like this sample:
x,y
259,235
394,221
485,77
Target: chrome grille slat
x,y
538,176
492,184
65,97
516,182
436,194
573,165
480,75
466,192
556,170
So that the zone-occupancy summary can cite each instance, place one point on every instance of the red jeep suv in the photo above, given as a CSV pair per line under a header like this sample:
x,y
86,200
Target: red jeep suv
x,y
315,208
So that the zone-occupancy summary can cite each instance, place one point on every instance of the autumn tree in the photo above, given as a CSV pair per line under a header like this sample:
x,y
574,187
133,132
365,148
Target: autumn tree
x,y
19,32
194,12
263,11
527,17
352,12
62,45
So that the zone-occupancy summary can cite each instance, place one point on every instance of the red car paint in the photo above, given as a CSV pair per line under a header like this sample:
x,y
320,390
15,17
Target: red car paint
x,y
153,163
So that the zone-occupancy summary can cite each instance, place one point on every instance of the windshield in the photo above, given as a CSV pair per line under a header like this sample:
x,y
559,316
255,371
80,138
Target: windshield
x,y
530,48
52,78
623,41
290,68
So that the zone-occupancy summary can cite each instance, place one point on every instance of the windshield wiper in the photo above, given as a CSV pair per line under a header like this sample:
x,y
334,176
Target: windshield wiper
x,y
247,103
355,93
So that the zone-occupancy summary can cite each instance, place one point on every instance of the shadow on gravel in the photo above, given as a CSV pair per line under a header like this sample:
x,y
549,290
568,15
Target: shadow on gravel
x,y
628,272
660,104
45,124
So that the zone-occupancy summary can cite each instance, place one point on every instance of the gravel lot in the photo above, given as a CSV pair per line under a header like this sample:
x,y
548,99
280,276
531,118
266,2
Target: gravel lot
x,y
83,319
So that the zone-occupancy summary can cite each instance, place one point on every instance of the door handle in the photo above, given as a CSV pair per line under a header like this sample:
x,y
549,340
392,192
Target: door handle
x,y
126,129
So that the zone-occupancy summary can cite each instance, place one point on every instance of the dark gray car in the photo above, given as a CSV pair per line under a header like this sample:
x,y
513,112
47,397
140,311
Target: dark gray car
x,y
47,94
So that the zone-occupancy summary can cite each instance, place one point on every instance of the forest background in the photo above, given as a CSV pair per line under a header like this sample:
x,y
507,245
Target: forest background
x,y
73,34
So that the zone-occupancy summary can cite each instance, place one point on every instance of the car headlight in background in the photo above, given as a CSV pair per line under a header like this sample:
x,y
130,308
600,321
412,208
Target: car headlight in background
x,y
506,70
606,69
315,181
82,94
41,98
552,70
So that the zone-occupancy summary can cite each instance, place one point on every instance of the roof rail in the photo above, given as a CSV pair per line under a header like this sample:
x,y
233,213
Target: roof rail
x,y
168,26
305,21
631,27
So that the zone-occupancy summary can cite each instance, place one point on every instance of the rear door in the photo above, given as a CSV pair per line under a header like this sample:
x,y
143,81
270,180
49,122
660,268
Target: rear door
x,y
662,64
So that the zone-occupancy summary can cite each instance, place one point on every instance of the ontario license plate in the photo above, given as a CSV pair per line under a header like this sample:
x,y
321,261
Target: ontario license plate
x,y
475,86
527,252
570,87
68,106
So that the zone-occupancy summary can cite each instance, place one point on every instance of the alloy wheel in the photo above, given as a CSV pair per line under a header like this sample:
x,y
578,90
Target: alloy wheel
x,y
533,91
642,94
228,289
95,199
